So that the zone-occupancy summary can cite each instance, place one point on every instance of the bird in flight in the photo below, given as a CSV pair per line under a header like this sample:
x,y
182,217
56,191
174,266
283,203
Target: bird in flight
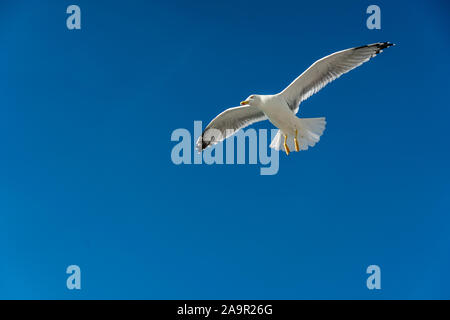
x,y
281,108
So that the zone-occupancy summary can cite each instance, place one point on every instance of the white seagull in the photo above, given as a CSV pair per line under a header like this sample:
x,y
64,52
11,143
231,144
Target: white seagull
x,y
281,109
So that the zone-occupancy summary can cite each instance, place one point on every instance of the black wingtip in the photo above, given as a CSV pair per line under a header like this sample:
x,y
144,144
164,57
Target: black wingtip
x,y
205,144
383,45
201,144
379,46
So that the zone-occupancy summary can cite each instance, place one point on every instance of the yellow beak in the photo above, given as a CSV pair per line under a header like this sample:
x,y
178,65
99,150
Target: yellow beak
x,y
243,103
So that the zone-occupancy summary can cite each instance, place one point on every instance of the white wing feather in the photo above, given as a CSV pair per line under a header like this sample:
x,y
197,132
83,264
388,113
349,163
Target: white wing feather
x,y
227,123
327,69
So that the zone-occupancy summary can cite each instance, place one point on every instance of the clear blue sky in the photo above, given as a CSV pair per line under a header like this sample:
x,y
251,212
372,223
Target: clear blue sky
x,y
86,176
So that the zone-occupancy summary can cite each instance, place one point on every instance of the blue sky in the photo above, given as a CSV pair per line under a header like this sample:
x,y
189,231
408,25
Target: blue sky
x,y
86,176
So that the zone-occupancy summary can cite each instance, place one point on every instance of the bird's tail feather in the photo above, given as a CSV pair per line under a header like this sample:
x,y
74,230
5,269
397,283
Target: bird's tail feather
x,y
309,132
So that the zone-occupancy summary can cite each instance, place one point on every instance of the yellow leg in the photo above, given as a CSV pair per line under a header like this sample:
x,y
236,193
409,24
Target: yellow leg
x,y
286,148
296,141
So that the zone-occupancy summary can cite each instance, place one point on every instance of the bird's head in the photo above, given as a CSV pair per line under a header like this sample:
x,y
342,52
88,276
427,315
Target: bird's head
x,y
252,100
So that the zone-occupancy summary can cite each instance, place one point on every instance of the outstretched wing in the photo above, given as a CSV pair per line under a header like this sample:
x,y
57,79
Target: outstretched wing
x,y
327,69
227,123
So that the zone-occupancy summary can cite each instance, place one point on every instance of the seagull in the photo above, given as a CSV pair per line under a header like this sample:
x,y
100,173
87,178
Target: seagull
x,y
281,108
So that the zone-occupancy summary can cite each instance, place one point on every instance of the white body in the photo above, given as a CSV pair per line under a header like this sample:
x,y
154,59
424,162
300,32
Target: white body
x,y
281,116
277,111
